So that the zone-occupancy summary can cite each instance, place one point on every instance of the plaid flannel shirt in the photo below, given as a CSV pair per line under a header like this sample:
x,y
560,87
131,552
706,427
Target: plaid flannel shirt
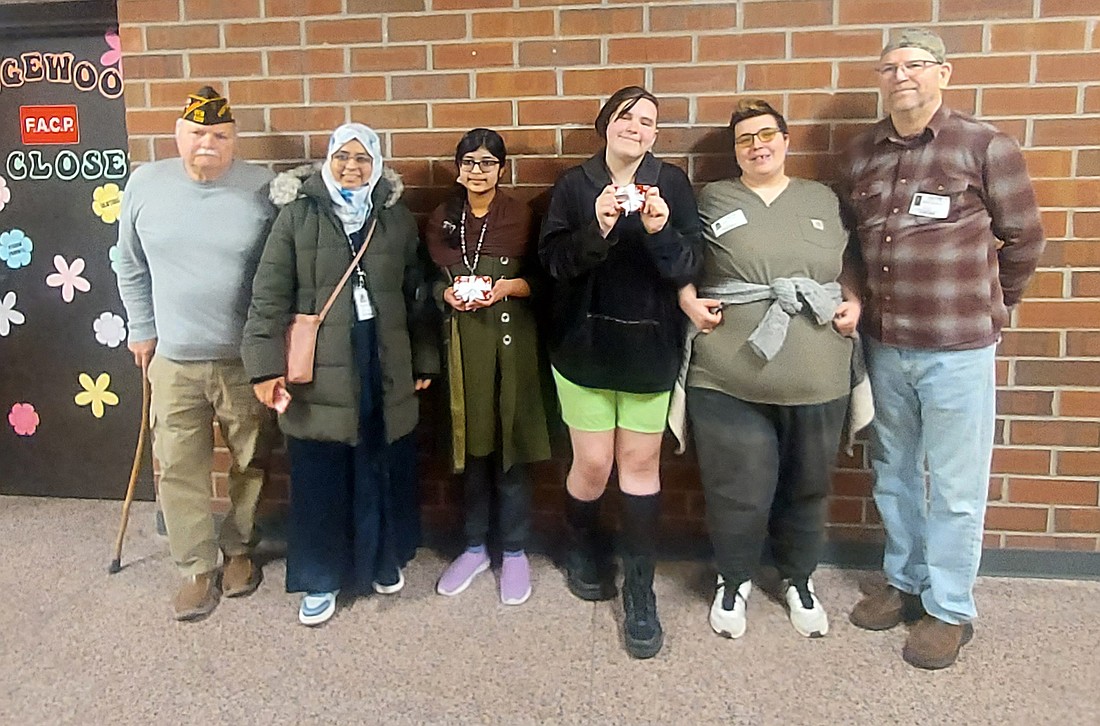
x,y
940,283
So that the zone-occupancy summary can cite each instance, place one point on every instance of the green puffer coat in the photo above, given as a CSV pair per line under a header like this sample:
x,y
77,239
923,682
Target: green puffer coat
x,y
306,254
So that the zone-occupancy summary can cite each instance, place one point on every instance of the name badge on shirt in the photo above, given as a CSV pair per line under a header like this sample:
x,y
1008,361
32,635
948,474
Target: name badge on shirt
x,y
733,220
934,206
363,308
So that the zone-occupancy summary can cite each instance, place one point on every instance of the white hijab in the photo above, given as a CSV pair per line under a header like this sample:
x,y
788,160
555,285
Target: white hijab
x,y
353,207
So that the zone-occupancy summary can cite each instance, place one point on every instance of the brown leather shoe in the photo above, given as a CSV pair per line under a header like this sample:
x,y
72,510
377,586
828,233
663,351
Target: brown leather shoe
x,y
240,576
197,597
885,608
934,644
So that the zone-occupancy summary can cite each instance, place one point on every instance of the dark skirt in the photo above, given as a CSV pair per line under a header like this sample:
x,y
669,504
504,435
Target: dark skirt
x,y
354,510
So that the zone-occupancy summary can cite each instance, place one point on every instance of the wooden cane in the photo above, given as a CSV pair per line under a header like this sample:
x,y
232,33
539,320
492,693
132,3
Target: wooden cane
x,y
116,563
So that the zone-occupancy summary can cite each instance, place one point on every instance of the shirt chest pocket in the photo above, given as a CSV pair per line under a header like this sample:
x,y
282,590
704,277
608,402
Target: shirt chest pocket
x,y
938,200
867,202
821,232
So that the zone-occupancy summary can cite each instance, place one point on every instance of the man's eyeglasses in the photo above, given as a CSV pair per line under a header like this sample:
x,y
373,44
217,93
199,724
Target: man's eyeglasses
x,y
344,157
909,68
765,135
481,164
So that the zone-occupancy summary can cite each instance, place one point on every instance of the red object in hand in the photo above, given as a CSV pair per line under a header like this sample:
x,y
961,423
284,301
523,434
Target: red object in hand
x,y
282,399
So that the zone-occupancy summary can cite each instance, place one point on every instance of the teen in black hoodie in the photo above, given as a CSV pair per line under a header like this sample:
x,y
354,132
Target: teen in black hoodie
x,y
616,342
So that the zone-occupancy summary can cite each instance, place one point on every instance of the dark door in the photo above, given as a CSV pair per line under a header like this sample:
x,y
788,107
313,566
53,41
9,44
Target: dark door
x,y
70,396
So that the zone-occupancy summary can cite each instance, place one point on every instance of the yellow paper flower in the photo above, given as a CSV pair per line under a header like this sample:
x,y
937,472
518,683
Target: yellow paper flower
x,y
107,202
96,393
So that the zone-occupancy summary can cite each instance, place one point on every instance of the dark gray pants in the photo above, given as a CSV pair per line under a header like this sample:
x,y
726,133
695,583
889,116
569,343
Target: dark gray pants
x,y
513,497
766,470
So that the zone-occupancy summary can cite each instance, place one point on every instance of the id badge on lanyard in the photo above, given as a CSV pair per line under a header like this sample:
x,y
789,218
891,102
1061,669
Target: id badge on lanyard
x,y
363,309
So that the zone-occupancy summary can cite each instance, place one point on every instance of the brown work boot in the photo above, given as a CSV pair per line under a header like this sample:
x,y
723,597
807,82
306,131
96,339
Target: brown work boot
x,y
934,644
240,576
885,608
197,597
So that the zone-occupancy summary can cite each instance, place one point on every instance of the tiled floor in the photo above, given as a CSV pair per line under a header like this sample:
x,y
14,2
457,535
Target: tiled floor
x,y
84,647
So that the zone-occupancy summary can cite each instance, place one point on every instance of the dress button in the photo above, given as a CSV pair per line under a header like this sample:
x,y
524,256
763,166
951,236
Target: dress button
x,y
895,210
902,181
889,238
885,268
507,339
505,317
504,260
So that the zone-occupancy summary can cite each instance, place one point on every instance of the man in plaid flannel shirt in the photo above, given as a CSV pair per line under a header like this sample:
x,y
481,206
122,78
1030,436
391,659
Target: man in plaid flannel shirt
x,y
949,235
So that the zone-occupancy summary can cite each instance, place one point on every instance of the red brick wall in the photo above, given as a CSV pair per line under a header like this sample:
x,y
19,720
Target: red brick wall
x,y
423,71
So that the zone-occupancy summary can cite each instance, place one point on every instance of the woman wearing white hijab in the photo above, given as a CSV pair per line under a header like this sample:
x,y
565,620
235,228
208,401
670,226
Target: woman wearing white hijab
x,y
354,519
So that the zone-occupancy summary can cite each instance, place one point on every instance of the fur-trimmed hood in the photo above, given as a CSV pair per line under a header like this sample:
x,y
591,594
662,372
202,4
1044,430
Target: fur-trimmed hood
x,y
299,182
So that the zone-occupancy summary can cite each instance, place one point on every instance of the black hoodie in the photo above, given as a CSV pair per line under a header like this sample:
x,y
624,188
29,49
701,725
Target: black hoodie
x,y
617,324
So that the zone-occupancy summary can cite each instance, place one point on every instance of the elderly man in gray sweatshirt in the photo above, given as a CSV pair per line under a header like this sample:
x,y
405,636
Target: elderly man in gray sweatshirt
x,y
190,236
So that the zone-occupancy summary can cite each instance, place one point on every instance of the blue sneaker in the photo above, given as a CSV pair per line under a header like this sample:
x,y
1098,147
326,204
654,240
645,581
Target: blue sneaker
x,y
317,607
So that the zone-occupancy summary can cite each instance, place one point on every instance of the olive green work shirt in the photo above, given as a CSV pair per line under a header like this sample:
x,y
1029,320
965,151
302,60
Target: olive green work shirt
x,y
799,235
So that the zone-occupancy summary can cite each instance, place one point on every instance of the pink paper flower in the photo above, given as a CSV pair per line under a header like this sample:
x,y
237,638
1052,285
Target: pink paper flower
x,y
68,277
114,55
24,419
5,193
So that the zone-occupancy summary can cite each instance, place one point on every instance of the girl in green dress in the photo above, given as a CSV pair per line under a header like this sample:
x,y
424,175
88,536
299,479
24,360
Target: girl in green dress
x,y
481,239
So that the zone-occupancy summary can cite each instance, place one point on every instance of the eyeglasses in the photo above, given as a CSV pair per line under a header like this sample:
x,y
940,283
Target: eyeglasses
x,y
909,68
481,164
344,157
765,135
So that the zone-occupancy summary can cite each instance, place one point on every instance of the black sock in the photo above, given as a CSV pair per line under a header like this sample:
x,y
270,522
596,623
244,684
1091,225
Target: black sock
x,y
582,516
640,524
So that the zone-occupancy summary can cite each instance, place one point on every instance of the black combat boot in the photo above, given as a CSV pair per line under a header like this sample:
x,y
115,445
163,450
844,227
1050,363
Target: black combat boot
x,y
641,626
589,573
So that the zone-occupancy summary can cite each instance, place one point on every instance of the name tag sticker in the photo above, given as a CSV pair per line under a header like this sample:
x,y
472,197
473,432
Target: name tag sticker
x,y
817,224
363,308
733,220
934,206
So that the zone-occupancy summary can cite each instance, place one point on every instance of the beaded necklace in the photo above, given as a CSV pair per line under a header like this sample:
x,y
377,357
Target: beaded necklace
x,y
480,241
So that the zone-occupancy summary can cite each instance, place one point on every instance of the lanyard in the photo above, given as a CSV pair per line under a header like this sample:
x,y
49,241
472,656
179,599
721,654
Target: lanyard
x,y
480,242
360,276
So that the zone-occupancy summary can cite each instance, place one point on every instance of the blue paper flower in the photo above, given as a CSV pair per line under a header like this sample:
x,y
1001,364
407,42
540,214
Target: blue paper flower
x,y
113,255
16,248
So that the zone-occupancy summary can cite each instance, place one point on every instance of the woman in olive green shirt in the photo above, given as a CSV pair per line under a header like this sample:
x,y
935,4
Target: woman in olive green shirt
x,y
768,382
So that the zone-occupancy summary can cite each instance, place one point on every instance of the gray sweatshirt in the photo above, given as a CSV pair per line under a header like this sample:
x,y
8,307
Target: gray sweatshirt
x,y
188,253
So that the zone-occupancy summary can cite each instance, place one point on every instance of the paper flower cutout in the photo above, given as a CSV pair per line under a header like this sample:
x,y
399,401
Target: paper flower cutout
x,y
110,329
107,202
468,288
96,394
113,255
68,277
114,55
9,316
5,193
24,419
16,248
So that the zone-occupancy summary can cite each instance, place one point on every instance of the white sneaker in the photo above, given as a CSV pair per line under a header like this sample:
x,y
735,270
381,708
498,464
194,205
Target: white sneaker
x,y
317,607
807,615
727,613
395,587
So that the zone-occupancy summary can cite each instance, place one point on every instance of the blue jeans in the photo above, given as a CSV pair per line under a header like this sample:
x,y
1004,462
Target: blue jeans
x,y
934,406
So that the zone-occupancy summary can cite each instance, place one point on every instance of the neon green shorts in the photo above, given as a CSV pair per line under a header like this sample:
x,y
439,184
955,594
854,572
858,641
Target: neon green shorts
x,y
600,409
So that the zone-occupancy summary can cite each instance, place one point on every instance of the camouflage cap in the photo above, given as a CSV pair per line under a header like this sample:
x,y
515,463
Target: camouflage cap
x,y
918,38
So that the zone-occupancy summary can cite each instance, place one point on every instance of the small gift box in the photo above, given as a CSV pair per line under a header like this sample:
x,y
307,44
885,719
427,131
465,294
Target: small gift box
x,y
469,288
631,197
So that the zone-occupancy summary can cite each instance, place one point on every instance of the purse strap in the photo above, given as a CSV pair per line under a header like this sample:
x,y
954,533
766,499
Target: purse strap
x,y
347,274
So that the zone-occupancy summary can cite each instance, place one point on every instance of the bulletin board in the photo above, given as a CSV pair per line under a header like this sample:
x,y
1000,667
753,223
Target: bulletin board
x,y
70,394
